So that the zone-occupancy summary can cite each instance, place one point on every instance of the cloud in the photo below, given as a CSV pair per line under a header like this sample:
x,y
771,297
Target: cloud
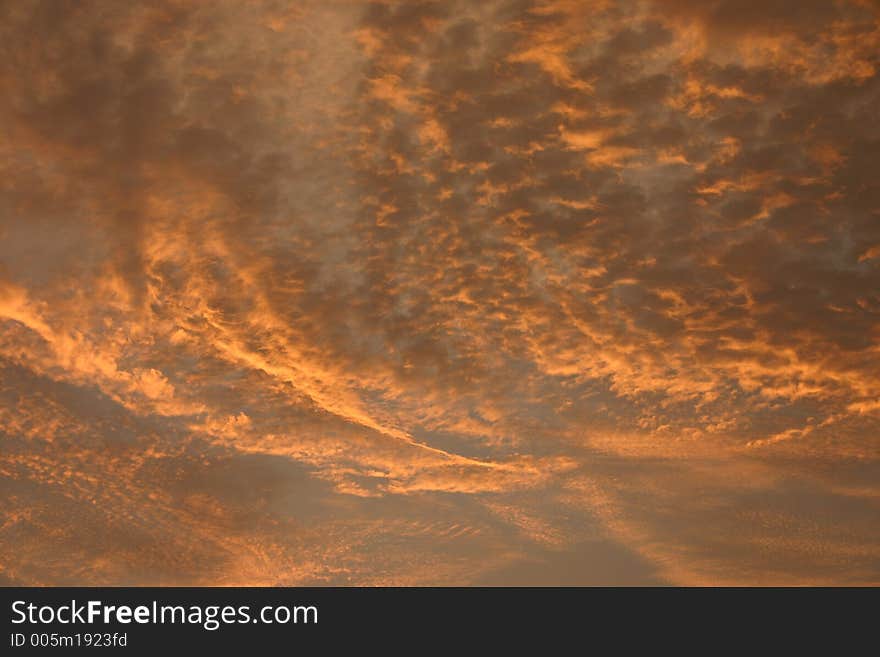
x,y
366,293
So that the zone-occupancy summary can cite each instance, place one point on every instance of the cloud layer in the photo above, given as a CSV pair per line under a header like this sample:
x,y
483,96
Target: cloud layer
x,y
440,292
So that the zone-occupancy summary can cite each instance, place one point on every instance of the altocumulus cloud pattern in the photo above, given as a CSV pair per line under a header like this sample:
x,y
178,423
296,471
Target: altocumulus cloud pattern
x,y
502,292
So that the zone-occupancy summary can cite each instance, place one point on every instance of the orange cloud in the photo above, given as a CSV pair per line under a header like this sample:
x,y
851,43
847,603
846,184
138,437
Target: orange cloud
x,y
440,293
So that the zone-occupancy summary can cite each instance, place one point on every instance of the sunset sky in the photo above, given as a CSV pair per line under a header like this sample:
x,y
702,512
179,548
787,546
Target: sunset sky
x,y
503,292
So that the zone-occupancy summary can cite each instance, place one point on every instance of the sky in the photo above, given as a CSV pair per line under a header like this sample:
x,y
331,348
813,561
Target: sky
x,y
506,292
